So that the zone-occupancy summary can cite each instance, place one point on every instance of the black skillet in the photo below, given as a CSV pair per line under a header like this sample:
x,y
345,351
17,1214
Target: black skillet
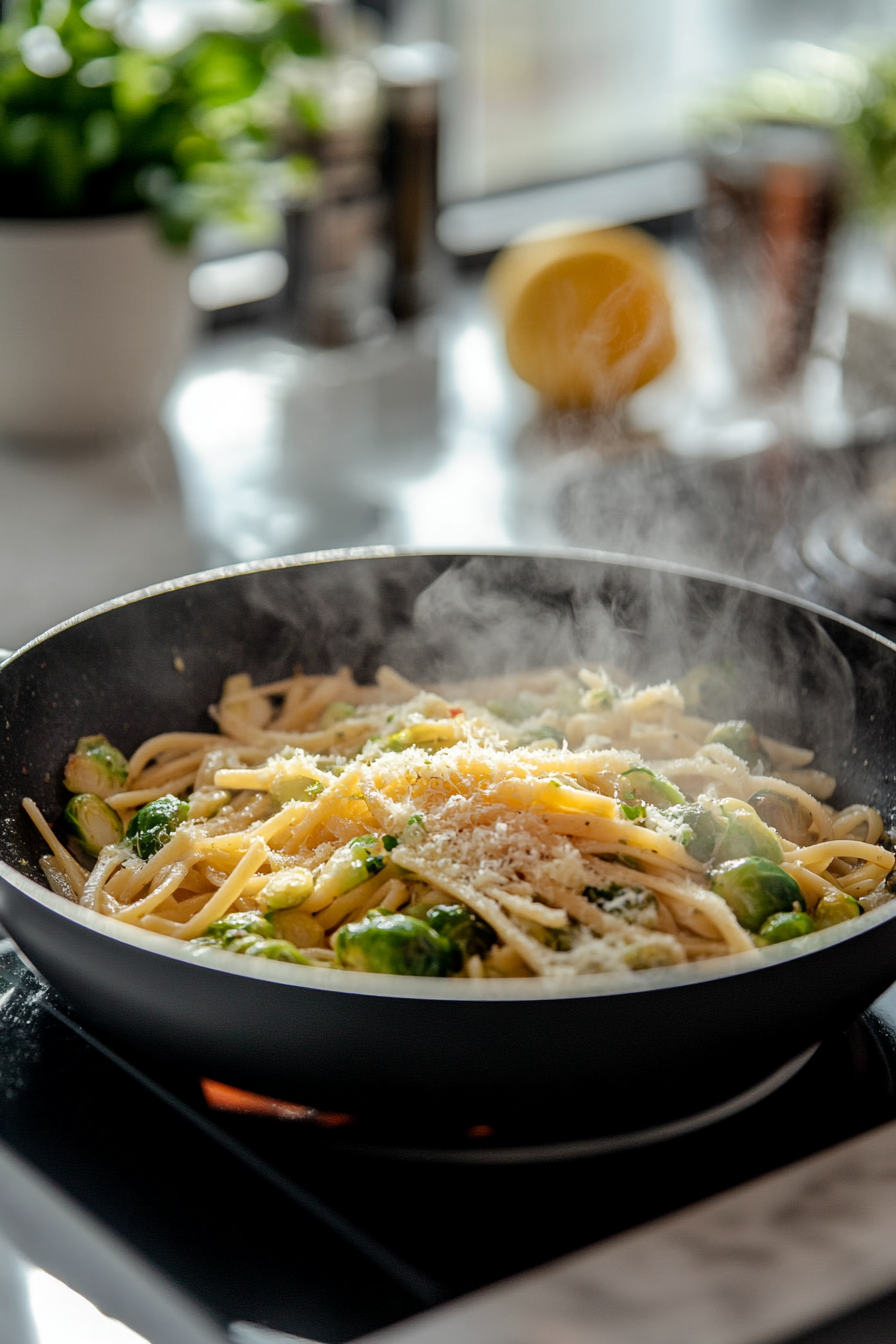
x,y
660,1045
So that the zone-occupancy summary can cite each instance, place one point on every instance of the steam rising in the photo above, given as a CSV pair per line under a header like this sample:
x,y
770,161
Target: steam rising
x,y
744,516
445,619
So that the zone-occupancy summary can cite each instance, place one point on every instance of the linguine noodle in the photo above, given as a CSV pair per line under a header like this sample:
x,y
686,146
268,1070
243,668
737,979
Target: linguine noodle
x,y
562,811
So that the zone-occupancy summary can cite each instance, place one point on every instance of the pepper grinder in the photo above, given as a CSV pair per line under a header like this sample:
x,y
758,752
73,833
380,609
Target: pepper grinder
x,y
410,77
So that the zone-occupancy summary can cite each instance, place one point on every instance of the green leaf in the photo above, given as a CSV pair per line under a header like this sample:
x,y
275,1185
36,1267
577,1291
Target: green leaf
x,y
307,109
23,137
102,139
223,68
63,163
297,29
140,82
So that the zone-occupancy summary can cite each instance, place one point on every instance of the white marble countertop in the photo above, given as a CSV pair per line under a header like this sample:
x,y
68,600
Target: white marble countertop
x,y
760,1263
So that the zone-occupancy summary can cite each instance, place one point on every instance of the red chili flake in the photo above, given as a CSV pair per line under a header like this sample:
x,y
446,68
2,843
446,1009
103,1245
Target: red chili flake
x,y
454,712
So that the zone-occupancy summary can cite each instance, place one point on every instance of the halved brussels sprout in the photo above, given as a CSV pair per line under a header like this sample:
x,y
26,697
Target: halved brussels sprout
x,y
295,789
250,935
652,788
710,687
96,767
240,924
92,822
836,908
394,944
431,733
786,815
241,943
289,887
155,823
755,889
741,738
347,868
650,956
276,949
698,831
299,929
746,835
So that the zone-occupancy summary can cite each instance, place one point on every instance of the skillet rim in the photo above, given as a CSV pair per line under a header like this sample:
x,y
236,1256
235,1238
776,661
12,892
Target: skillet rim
x,y
386,552
365,984
415,987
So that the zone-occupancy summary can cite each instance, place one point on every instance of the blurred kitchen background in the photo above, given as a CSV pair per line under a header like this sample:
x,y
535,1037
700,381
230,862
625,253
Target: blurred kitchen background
x,y
266,327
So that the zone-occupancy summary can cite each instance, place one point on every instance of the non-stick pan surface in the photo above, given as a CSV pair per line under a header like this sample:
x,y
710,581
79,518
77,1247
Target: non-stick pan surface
x,y
632,1052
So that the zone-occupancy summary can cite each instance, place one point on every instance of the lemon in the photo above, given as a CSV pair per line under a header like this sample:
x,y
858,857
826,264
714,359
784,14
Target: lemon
x,y
586,314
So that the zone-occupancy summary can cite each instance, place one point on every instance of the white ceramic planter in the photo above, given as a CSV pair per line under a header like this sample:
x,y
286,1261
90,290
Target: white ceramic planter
x,y
94,316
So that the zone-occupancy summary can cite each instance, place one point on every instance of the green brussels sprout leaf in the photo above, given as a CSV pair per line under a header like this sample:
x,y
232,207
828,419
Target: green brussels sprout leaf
x,y
96,767
92,823
652,788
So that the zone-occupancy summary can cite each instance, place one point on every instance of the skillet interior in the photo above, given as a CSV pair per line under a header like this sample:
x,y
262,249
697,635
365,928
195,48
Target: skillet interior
x,y
809,677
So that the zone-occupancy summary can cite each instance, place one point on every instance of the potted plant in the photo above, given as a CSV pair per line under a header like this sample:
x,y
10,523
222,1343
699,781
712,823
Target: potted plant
x,y
117,141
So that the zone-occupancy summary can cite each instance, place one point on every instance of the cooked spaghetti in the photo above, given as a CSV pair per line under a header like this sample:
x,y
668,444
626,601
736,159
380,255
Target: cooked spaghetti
x,y
548,824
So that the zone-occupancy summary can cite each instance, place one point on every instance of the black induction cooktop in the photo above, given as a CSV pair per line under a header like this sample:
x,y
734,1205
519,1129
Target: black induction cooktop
x,y
328,1227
